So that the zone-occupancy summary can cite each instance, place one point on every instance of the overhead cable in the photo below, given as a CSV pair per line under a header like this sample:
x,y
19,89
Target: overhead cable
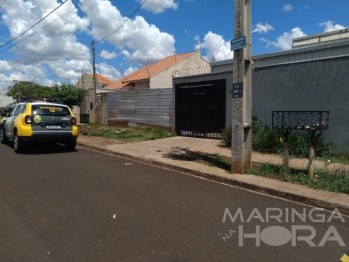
x,y
123,22
34,24
45,27
1,4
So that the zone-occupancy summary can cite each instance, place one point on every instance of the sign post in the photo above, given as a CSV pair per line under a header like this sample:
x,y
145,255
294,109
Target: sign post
x,y
241,156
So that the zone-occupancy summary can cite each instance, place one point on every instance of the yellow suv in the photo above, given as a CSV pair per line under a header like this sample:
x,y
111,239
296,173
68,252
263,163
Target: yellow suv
x,y
34,121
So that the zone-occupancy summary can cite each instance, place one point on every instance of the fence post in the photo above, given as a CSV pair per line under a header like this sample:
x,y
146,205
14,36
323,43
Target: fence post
x,y
311,161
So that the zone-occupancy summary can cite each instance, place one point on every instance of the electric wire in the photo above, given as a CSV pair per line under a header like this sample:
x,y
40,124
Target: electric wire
x,y
1,4
86,1
123,22
34,24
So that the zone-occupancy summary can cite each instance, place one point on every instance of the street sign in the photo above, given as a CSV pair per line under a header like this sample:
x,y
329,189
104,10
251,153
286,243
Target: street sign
x,y
238,90
238,43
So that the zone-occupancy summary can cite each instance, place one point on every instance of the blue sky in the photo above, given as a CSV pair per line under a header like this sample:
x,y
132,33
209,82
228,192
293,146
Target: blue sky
x,y
58,49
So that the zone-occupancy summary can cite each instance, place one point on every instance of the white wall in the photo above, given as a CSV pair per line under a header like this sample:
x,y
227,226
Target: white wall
x,y
5,100
164,78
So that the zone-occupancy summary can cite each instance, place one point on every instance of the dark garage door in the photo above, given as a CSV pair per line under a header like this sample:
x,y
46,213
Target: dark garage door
x,y
200,108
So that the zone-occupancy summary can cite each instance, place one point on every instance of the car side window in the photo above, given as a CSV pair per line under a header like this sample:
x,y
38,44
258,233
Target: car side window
x,y
24,106
13,111
17,111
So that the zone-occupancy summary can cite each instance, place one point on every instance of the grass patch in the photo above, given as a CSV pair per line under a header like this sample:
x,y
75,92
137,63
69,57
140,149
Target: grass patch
x,y
332,181
127,134
324,180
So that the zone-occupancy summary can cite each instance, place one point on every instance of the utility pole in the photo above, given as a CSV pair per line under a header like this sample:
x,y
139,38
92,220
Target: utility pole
x,y
94,82
94,68
242,86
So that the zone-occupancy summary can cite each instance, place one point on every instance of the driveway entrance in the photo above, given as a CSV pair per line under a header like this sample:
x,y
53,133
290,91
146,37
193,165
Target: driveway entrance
x,y
200,109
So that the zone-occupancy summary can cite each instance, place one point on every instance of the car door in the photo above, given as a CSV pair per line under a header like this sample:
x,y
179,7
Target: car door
x,y
11,120
8,121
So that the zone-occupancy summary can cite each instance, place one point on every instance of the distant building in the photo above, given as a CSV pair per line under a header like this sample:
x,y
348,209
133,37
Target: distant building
x,y
324,38
5,100
159,75
86,82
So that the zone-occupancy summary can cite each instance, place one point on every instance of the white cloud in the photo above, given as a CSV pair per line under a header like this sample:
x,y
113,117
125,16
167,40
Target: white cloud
x,y
109,71
5,67
260,28
329,26
307,7
159,6
107,55
39,50
130,70
143,42
70,68
215,47
287,7
284,41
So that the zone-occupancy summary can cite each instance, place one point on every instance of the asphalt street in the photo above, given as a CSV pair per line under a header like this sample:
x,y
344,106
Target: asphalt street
x,y
89,206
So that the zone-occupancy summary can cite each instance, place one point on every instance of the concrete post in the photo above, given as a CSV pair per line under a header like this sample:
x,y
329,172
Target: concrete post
x,y
311,161
242,107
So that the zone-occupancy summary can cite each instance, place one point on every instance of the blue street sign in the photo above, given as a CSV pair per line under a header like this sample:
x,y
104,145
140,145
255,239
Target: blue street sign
x,y
238,43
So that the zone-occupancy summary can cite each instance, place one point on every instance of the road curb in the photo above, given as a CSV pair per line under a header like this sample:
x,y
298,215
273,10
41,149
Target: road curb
x,y
326,204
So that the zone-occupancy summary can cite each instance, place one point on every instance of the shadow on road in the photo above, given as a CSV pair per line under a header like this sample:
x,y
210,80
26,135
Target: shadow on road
x,y
42,148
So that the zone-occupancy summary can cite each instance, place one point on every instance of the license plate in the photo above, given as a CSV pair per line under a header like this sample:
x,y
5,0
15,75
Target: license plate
x,y
53,127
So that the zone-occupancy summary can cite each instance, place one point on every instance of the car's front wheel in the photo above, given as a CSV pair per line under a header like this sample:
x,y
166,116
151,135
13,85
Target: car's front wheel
x,y
17,144
3,138
70,146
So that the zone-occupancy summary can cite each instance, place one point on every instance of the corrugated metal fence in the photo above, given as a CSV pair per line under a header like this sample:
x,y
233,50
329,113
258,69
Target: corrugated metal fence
x,y
150,107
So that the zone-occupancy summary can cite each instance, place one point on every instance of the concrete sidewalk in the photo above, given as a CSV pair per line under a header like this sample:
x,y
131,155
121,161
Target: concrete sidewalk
x,y
168,152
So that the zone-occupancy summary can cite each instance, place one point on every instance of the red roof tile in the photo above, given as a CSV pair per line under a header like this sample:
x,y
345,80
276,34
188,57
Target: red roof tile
x,y
148,71
102,79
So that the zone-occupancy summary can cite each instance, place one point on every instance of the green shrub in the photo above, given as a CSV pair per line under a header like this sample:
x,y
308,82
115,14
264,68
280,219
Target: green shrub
x,y
265,139
226,136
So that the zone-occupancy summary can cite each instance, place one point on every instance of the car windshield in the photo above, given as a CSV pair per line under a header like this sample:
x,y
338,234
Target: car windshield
x,y
50,110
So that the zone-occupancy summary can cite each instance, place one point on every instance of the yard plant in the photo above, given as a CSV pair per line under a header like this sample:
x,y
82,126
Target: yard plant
x,y
267,140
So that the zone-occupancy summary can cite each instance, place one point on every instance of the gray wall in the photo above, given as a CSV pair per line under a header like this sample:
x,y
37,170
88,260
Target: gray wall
x,y
150,106
319,85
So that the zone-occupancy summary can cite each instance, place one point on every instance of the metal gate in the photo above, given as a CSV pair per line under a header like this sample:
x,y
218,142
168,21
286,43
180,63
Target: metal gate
x,y
200,109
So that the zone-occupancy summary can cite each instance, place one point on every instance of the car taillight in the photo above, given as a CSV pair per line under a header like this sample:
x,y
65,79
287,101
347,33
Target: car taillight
x,y
28,120
73,121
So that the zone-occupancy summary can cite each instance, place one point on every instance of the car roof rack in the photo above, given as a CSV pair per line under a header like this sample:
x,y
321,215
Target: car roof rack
x,y
28,99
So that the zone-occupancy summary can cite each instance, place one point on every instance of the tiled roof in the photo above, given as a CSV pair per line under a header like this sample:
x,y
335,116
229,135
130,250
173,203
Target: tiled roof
x,y
102,79
116,85
146,72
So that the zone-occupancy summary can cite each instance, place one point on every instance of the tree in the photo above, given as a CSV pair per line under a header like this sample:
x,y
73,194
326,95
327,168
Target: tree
x,y
28,89
66,93
69,94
